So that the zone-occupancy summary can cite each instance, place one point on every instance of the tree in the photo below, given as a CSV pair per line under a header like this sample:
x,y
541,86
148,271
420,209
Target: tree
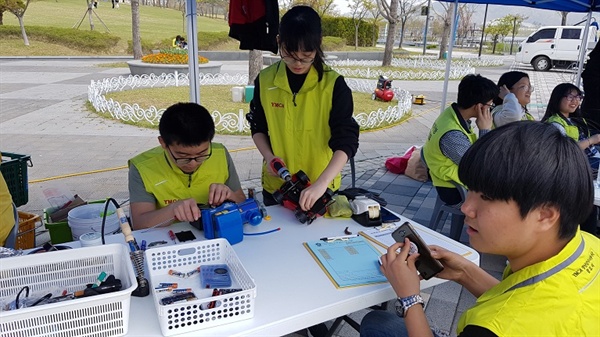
x,y
446,21
465,24
135,29
407,9
375,19
359,9
389,11
18,8
563,18
323,7
499,28
255,64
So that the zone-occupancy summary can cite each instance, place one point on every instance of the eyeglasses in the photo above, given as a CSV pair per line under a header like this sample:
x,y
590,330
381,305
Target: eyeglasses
x,y
185,161
570,98
525,88
288,59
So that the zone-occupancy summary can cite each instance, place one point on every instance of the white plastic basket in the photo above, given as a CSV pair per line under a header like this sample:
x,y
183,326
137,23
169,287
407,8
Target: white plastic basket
x,y
194,315
99,315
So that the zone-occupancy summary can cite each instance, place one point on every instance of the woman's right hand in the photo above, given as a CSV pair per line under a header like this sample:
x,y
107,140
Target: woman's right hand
x,y
503,91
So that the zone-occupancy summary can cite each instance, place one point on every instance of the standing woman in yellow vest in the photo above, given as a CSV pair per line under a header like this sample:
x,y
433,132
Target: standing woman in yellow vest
x,y
511,103
562,112
302,111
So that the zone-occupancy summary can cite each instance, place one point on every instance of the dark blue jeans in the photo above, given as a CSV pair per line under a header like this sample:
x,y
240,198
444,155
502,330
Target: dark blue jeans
x,y
380,323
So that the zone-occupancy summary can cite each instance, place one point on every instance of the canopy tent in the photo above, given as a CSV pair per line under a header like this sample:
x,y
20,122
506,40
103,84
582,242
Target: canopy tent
x,y
580,6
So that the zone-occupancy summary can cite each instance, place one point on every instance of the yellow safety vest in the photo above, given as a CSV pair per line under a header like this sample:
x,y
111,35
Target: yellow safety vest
x,y
298,123
443,171
556,297
572,130
163,179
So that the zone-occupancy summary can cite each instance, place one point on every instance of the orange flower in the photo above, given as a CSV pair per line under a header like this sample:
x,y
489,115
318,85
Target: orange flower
x,y
168,58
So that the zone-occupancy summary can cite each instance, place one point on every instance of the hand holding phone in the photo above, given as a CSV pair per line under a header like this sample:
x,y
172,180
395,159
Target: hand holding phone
x,y
425,263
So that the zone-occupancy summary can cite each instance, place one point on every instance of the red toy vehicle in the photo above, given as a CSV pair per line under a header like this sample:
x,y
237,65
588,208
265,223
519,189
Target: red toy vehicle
x,y
289,194
384,89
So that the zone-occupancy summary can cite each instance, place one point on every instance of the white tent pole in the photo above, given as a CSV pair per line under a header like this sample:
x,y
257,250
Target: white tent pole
x,y
191,13
449,56
583,49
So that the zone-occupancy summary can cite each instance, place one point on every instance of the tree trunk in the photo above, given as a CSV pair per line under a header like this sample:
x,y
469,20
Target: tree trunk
x,y
255,64
563,20
25,39
402,26
389,44
494,44
135,29
355,37
448,20
1,18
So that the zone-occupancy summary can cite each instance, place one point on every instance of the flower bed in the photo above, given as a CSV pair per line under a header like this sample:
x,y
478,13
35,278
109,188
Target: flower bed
x,y
171,56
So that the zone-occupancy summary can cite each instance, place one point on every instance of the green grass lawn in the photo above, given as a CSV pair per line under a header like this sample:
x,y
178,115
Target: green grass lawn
x,y
215,98
156,23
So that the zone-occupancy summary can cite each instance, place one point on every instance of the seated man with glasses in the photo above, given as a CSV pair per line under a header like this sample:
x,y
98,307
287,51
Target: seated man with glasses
x,y
451,134
167,182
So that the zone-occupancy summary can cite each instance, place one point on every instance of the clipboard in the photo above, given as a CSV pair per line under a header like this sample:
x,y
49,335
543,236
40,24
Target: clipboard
x,y
348,262
382,236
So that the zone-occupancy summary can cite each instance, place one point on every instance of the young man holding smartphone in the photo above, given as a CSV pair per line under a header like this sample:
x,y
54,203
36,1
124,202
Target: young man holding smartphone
x,y
521,206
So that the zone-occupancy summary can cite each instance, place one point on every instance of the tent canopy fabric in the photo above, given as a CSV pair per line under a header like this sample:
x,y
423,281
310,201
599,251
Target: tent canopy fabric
x,y
556,5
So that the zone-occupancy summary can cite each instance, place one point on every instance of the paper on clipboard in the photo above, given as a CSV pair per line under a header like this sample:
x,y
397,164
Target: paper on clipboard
x,y
348,262
382,236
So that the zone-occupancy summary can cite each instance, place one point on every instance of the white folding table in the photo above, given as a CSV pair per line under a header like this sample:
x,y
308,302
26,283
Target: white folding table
x,y
293,292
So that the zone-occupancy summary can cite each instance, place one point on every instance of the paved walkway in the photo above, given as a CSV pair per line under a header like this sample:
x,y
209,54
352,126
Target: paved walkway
x,y
43,115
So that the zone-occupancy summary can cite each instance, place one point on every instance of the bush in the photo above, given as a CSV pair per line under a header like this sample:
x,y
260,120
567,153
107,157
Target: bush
x,y
431,46
333,43
83,40
344,28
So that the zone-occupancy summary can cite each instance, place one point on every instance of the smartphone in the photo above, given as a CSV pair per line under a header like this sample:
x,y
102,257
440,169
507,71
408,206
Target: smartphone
x,y
387,216
427,266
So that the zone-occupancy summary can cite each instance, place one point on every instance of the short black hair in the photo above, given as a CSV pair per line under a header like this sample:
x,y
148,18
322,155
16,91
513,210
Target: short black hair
x,y
509,79
300,29
186,124
533,164
474,89
557,95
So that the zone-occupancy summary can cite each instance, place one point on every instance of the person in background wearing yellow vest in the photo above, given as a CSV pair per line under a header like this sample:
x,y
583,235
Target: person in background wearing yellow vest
x,y
7,215
176,41
511,103
451,134
167,182
563,112
302,111
519,205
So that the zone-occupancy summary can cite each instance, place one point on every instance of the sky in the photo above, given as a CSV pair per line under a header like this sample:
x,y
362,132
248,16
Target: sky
x,y
537,17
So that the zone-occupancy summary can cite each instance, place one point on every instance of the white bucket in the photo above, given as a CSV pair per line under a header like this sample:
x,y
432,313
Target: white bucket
x,y
237,94
88,218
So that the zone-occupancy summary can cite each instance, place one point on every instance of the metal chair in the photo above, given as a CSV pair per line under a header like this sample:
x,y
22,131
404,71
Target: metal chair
x,y
11,240
458,218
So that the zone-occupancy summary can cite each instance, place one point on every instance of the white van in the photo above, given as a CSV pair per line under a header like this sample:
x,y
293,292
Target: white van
x,y
555,46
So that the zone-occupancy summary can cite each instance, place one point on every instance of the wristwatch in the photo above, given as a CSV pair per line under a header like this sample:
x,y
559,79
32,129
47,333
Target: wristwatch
x,y
403,303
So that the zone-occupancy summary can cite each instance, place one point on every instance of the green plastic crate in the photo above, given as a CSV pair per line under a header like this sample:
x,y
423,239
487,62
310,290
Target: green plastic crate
x,y
14,171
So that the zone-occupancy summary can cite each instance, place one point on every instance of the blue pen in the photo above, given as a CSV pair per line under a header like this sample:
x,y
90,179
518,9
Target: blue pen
x,y
143,246
131,246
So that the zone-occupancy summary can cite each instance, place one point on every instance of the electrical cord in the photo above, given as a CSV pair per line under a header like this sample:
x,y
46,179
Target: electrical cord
x,y
106,203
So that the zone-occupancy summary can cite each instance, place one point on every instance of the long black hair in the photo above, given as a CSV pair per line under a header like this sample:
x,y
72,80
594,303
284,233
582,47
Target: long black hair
x,y
557,95
300,30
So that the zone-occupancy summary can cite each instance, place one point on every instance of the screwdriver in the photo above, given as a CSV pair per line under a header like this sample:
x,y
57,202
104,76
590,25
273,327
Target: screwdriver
x,y
172,236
